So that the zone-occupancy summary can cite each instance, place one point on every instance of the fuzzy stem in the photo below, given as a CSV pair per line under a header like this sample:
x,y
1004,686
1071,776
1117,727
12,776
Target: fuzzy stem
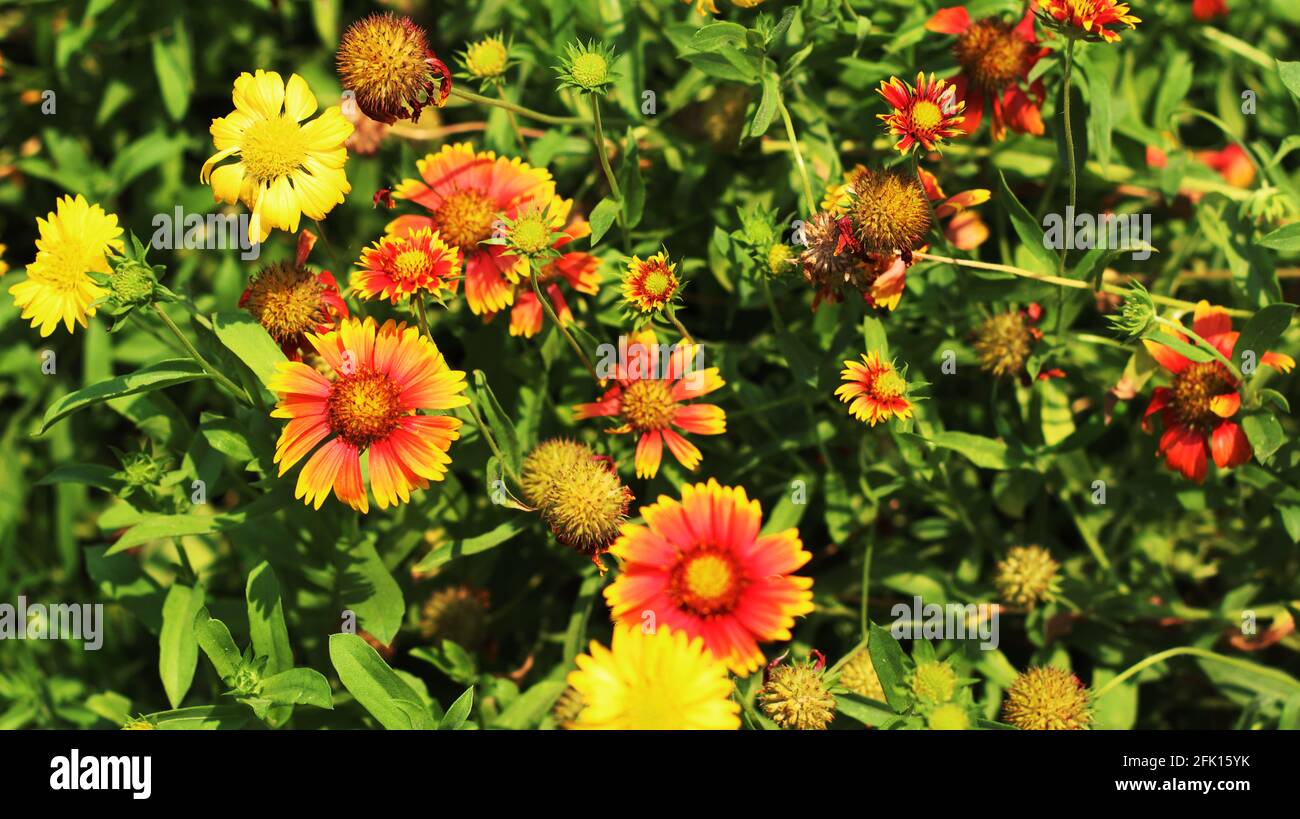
x,y
598,135
213,372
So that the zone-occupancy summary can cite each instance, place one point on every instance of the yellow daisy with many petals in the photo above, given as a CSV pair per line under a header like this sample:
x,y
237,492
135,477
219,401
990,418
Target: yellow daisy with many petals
x,y
288,168
74,241
655,681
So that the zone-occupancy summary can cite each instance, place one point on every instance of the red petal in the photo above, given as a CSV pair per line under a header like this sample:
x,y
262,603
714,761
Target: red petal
x,y
1231,449
949,21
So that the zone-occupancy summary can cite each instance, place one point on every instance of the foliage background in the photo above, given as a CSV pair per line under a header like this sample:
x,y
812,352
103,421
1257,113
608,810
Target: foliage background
x,y
986,466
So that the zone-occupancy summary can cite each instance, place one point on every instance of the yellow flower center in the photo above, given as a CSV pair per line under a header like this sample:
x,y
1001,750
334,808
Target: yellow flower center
x,y
465,218
991,53
1004,343
706,582
530,234
649,404
888,385
890,212
590,70
286,301
1195,387
410,265
364,407
926,116
273,148
486,58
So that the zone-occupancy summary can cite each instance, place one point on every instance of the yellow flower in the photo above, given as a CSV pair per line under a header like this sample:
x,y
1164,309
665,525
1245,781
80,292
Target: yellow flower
x,y
73,242
287,168
653,681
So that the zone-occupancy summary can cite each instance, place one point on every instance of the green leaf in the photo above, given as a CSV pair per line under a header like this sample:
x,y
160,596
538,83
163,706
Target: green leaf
x,y
602,218
531,706
715,36
1290,74
151,377
1263,330
890,663
171,65
249,341
1184,348
630,180
1265,434
101,477
458,712
1175,82
866,711
379,690
767,106
1029,231
202,717
368,589
981,451
1285,238
453,549
214,638
178,652
298,686
266,624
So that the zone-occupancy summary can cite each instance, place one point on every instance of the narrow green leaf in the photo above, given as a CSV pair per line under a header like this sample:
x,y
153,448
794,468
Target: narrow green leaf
x,y
376,687
178,652
151,377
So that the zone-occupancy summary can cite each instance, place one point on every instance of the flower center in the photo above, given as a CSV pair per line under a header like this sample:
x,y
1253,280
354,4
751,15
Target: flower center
x,y
531,235
888,385
1195,387
64,266
364,407
707,582
286,301
991,53
465,218
487,58
889,213
649,404
410,265
926,116
590,69
273,148
1004,343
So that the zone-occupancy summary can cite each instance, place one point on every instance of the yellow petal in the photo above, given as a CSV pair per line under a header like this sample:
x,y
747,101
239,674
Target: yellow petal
x,y
299,102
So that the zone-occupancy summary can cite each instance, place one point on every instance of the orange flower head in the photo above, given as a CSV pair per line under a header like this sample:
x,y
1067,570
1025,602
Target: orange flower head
x,y
889,212
924,115
649,397
991,53
471,197
397,267
386,62
875,388
1199,408
701,567
382,377
649,285
1087,19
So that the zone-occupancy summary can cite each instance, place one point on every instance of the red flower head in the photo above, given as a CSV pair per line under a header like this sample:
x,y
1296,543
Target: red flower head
x,y
996,58
925,115
1198,409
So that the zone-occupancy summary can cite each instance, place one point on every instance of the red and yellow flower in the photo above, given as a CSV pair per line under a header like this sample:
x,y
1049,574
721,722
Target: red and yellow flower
x,y
924,115
381,378
650,284
398,266
290,301
467,194
1199,407
701,566
996,58
875,389
650,395
1087,19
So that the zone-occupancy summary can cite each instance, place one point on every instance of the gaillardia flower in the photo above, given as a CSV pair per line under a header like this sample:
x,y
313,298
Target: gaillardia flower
x,y
486,59
75,240
796,698
587,67
653,681
875,388
925,115
397,267
996,59
1086,19
648,397
587,507
547,465
386,62
1198,408
382,376
888,212
711,6
1004,341
649,285
469,196
702,567
1027,576
1047,699
290,301
287,168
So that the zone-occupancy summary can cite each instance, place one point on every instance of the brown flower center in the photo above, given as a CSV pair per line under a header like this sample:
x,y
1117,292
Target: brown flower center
x,y
889,212
286,300
991,54
1194,389
707,582
364,406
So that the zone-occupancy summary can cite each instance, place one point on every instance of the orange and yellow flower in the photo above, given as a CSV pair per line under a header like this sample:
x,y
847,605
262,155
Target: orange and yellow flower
x,y
1087,19
396,267
75,240
1199,408
381,378
875,388
650,284
468,195
287,168
702,567
996,59
925,115
649,396
652,680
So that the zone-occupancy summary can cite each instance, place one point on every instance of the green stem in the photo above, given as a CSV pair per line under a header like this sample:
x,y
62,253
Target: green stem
x,y
864,622
598,134
809,201
559,325
510,115
216,375
488,437
421,318
1142,665
672,316
470,96
1074,171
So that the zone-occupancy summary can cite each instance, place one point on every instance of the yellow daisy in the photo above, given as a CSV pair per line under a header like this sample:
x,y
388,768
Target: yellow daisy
x,y
74,242
287,168
653,681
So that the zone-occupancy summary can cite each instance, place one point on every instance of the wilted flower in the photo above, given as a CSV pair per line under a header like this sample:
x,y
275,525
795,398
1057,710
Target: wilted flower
x,y
888,211
1027,576
385,60
290,301
455,613
587,506
1004,341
